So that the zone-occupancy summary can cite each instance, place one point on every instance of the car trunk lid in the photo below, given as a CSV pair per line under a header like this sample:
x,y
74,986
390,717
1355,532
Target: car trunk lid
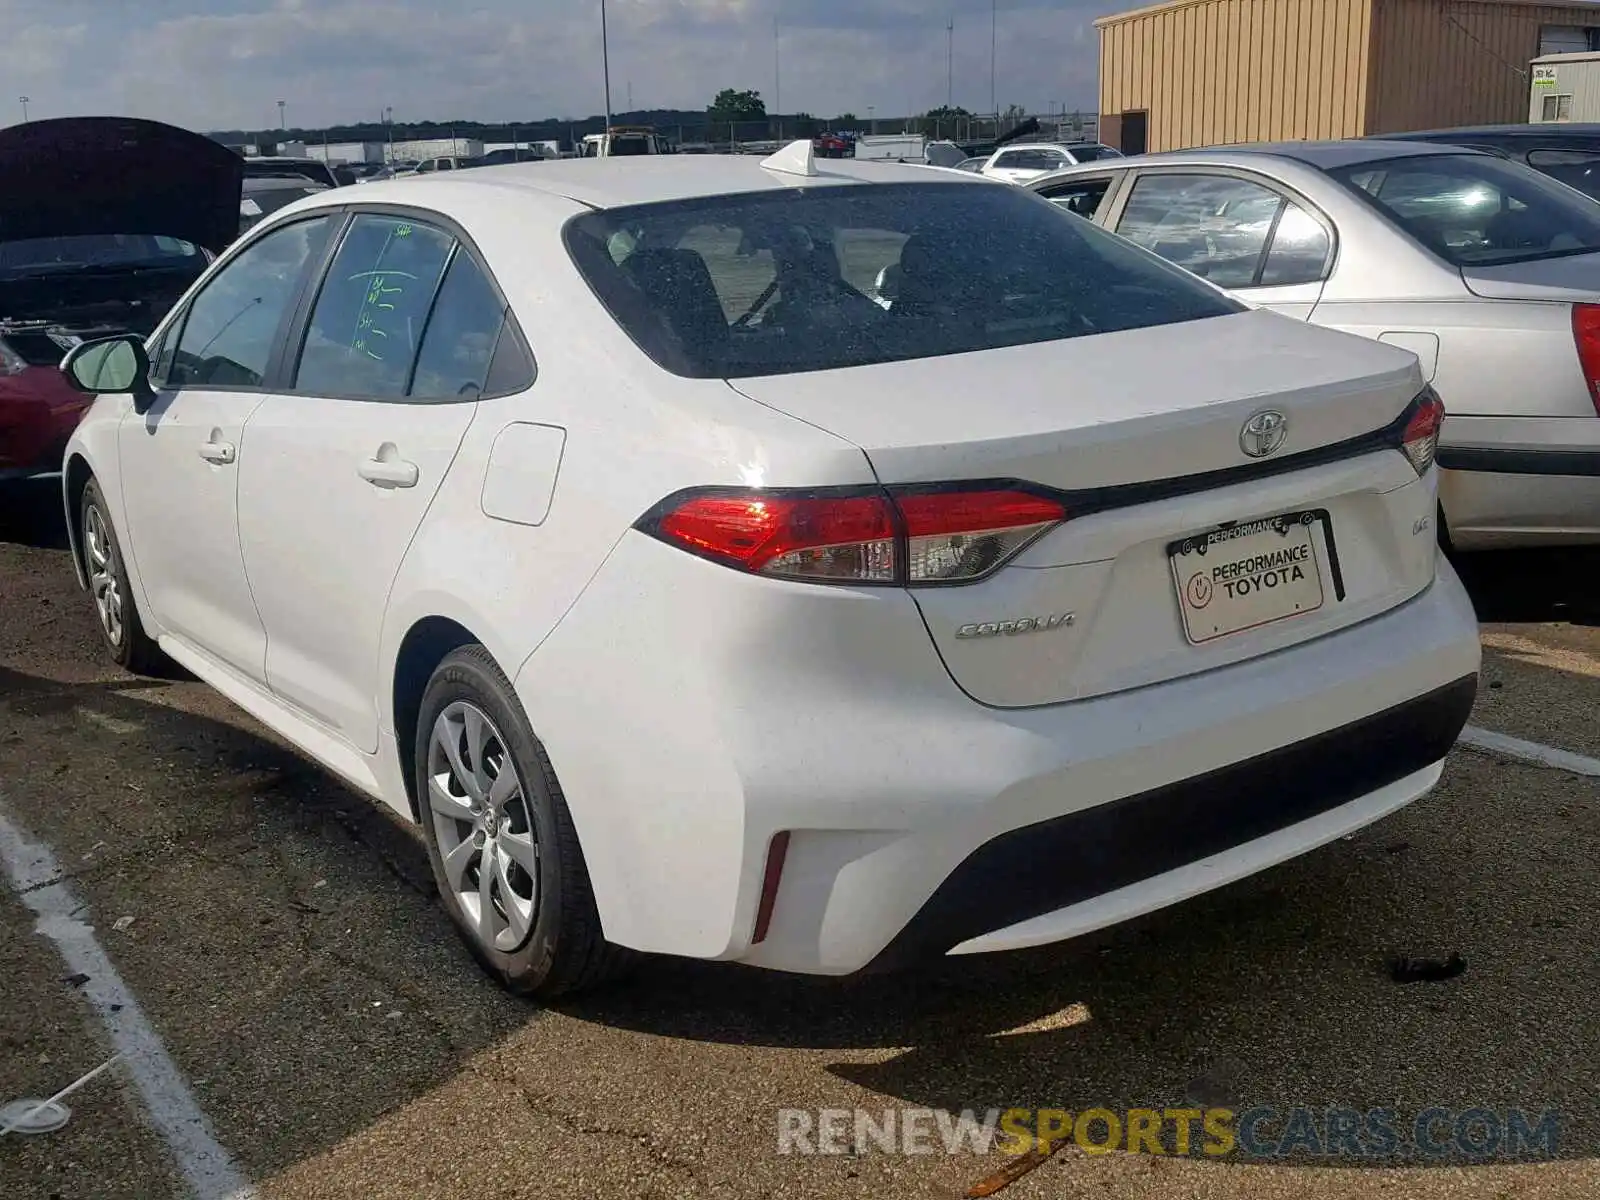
x,y
1142,435
1571,278
1119,408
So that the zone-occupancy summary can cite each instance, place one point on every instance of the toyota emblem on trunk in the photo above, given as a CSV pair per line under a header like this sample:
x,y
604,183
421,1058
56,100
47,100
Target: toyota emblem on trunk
x,y
1264,433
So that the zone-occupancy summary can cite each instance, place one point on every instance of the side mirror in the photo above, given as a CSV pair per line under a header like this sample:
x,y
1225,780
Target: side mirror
x,y
109,366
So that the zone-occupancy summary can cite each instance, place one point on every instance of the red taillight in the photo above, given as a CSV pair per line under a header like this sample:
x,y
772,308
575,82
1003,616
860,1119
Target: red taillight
x,y
938,536
777,851
1586,333
965,535
1420,441
811,537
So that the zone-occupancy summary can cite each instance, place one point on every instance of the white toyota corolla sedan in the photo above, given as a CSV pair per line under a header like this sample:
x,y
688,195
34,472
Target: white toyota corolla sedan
x,y
594,516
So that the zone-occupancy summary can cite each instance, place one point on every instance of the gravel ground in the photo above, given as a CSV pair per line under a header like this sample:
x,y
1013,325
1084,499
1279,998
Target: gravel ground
x,y
286,946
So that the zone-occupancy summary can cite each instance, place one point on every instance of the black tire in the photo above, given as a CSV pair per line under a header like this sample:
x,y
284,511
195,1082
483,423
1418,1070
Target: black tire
x,y
564,951
124,636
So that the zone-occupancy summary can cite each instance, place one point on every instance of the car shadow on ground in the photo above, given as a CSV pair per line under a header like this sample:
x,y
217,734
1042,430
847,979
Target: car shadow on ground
x,y
31,513
1532,586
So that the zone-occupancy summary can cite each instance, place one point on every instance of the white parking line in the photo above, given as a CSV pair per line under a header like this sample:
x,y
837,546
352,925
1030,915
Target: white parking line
x,y
36,878
1532,752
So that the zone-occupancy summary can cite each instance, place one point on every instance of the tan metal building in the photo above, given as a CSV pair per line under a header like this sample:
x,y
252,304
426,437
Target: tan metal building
x,y
1209,72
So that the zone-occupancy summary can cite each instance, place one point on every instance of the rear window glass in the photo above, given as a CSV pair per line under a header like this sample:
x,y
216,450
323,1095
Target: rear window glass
x,y
114,251
812,279
1476,209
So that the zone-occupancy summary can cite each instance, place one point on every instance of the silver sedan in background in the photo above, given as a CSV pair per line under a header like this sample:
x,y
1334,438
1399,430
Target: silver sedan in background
x,y
1485,269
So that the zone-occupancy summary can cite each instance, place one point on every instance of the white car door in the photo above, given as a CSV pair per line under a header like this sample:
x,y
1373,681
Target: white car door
x,y
343,464
1238,232
181,458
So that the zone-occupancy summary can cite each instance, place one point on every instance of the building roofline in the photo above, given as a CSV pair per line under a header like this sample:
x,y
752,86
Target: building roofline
x,y
1174,5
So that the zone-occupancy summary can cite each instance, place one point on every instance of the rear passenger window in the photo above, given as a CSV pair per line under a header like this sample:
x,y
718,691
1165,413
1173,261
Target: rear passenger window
x,y
367,324
462,334
1300,248
1219,227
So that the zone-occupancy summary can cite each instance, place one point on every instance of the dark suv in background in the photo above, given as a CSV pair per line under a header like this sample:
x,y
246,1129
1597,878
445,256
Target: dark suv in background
x,y
1568,152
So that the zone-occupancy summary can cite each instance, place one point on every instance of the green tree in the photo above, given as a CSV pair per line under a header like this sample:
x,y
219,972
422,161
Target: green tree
x,y
846,121
942,121
733,105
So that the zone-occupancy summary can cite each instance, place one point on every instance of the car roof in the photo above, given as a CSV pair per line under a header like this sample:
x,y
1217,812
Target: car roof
x,y
1558,130
1325,156
655,178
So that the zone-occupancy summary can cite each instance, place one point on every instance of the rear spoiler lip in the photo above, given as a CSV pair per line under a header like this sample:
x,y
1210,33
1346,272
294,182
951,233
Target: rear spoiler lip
x,y
1083,502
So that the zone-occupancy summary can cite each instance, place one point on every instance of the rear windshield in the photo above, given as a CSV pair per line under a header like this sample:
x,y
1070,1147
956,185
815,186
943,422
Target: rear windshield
x,y
1090,153
812,279
1478,209
94,251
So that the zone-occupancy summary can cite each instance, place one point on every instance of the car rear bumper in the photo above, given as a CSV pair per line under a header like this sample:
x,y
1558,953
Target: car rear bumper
x,y
921,822
1520,481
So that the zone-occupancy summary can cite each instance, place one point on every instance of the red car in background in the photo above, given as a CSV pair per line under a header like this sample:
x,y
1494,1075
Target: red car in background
x,y
104,224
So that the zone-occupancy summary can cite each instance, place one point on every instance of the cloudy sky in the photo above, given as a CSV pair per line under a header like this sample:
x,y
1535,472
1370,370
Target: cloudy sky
x,y
224,64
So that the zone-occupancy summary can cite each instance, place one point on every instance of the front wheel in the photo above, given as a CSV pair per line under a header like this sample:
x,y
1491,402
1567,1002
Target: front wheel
x,y
504,850
120,627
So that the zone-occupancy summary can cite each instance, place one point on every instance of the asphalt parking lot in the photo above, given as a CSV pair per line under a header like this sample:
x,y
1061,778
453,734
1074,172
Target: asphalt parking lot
x,y
285,947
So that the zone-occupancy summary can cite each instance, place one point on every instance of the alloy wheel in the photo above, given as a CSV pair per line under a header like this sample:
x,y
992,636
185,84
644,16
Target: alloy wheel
x,y
104,573
480,814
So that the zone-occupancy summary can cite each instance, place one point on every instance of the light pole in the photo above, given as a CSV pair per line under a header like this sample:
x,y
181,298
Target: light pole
x,y
24,100
994,94
388,120
872,119
605,61
777,79
283,122
950,65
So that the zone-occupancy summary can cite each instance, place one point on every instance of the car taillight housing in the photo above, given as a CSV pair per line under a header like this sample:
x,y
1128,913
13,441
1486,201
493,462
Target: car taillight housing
x,y
927,536
1586,335
1420,439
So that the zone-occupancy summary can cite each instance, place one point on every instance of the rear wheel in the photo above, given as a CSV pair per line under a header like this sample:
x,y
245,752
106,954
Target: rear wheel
x,y
119,622
504,850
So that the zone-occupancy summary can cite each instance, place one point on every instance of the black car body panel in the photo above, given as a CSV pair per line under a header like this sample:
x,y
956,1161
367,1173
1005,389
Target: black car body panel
x,y
1565,151
117,175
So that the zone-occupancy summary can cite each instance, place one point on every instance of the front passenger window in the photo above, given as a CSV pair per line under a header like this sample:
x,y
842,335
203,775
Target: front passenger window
x,y
232,325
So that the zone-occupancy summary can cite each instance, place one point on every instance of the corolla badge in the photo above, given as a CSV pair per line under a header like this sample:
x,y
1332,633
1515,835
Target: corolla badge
x,y
1264,433
1017,625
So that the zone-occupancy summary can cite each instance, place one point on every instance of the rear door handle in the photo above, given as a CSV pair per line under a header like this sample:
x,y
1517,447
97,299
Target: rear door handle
x,y
390,473
217,452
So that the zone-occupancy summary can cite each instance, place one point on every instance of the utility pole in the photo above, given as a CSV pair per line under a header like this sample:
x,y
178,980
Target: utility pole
x,y
950,65
605,61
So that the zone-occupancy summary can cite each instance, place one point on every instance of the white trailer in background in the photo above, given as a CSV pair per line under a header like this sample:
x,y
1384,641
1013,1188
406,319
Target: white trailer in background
x,y
896,147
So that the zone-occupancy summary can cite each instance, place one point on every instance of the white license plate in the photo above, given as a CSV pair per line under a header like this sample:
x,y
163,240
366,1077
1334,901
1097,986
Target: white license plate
x,y
1248,575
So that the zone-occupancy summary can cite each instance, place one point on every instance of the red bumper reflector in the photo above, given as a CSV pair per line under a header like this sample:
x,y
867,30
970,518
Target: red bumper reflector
x,y
776,852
